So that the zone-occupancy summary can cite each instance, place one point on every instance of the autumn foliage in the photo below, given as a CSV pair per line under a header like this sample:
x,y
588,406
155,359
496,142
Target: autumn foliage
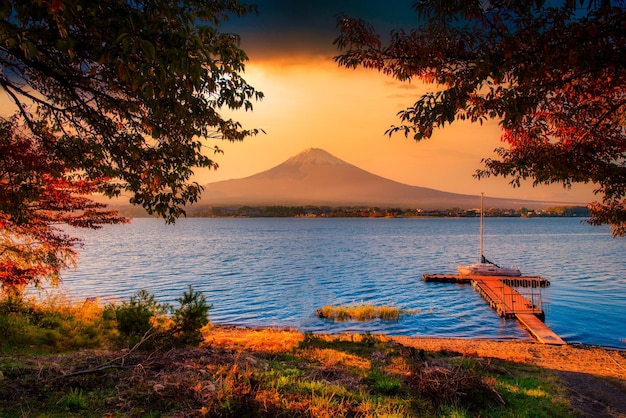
x,y
37,196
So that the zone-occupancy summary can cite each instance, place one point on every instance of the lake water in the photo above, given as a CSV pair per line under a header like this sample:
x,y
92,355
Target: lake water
x,y
278,271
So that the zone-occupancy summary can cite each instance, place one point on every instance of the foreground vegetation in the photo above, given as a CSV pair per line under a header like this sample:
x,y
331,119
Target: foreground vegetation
x,y
59,359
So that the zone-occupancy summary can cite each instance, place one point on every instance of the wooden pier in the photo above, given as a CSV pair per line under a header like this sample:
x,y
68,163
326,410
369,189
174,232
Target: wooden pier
x,y
500,293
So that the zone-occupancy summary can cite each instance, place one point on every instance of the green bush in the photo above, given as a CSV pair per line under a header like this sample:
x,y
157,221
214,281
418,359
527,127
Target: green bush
x,y
190,317
138,317
144,317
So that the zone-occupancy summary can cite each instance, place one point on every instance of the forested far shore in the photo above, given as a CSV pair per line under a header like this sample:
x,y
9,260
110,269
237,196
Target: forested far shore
x,y
376,212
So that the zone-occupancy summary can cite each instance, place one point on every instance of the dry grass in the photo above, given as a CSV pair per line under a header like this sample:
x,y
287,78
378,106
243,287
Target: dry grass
x,y
266,339
361,312
330,358
89,310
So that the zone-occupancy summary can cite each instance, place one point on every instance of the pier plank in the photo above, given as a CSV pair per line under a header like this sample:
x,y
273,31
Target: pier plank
x,y
507,301
539,330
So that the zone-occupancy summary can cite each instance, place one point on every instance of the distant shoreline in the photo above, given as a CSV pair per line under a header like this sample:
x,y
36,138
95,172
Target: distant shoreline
x,y
278,211
375,212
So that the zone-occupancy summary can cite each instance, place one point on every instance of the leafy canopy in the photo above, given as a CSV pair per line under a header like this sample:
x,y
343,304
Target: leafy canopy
x,y
109,96
127,90
553,73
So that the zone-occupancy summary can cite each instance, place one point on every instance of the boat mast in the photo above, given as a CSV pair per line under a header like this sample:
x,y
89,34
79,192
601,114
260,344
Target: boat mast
x,y
480,256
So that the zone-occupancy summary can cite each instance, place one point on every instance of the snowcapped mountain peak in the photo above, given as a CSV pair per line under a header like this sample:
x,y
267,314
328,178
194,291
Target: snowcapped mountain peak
x,y
314,156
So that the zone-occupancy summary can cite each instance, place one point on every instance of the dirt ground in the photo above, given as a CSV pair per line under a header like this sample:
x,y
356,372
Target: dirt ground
x,y
595,377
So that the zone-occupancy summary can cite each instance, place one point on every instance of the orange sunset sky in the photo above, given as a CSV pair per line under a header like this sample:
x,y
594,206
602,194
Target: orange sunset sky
x,y
311,102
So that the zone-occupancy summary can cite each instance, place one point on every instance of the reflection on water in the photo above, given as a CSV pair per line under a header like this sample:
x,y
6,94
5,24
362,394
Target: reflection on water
x,y
277,272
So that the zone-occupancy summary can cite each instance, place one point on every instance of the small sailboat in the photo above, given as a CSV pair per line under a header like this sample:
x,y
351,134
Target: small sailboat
x,y
485,267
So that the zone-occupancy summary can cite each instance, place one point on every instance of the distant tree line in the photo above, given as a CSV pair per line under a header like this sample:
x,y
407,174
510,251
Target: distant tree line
x,y
376,212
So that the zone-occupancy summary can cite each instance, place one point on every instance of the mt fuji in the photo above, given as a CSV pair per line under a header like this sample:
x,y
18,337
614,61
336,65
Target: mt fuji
x,y
316,177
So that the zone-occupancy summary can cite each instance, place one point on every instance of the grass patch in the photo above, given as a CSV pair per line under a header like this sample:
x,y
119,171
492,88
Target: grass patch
x,y
361,312
73,401
53,325
532,390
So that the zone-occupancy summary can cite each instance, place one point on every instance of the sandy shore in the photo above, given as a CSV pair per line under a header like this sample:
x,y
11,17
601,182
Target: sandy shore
x,y
568,358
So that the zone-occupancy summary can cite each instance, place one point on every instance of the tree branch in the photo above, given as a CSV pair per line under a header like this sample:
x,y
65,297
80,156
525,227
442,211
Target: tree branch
x,y
109,364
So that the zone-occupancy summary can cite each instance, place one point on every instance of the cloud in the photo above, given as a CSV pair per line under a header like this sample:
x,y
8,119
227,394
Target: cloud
x,y
285,27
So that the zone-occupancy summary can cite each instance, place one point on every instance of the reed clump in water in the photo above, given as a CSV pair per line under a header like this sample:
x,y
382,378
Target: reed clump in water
x,y
361,312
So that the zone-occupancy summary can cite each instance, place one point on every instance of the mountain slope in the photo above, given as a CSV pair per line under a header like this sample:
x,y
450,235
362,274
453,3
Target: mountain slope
x,y
315,177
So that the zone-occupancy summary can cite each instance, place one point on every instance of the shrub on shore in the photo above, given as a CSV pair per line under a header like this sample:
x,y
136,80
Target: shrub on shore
x,y
146,322
56,324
